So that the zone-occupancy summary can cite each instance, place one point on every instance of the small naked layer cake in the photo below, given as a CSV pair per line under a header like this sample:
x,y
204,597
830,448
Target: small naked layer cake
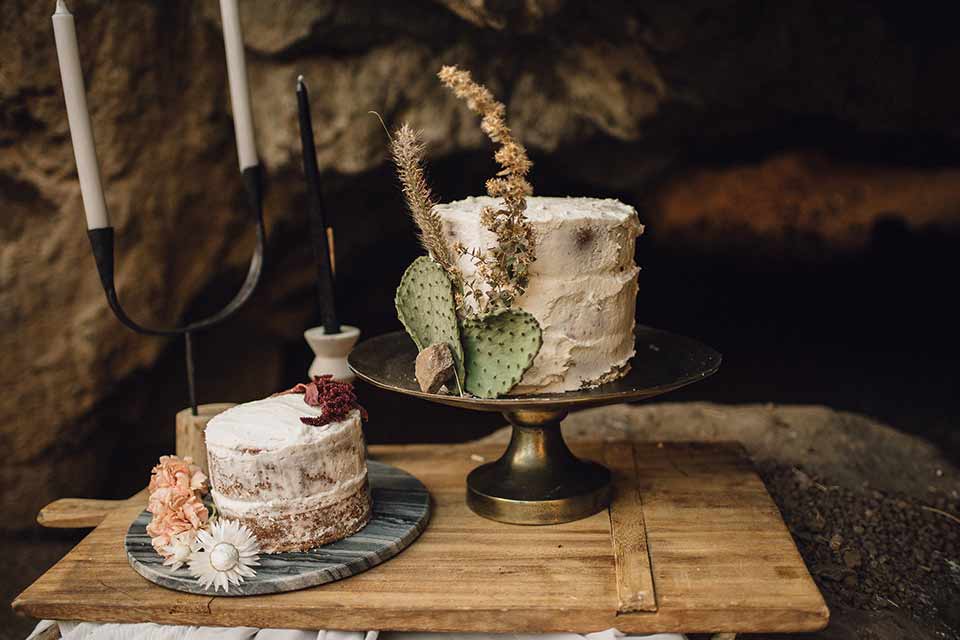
x,y
292,467
582,288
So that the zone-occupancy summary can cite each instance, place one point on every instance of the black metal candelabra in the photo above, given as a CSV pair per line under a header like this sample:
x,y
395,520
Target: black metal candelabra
x,y
101,240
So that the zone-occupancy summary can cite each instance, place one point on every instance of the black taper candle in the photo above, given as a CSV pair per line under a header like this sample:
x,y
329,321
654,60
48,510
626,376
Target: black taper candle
x,y
317,214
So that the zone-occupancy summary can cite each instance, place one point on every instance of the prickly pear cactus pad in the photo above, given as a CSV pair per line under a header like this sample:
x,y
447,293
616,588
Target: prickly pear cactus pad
x,y
426,307
498,349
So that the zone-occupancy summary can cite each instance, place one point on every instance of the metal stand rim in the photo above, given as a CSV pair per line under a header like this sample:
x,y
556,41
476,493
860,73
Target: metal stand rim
x,y
539,512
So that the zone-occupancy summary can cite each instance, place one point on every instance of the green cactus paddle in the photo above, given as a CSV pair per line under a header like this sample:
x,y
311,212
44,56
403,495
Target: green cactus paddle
x,y
426,307
498,349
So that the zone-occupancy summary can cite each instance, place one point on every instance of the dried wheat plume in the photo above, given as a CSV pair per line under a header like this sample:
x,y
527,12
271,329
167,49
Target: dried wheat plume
x,y
504,268
408,153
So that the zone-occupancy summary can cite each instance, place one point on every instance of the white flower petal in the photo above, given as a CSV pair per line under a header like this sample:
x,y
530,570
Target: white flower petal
x,y
207,541
230,532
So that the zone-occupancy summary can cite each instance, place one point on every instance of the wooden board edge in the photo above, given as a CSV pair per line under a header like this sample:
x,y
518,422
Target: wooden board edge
x,y
628,535
788,621
466,620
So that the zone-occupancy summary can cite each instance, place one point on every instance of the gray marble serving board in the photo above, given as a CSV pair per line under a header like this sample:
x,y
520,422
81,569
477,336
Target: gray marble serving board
x,y
401,509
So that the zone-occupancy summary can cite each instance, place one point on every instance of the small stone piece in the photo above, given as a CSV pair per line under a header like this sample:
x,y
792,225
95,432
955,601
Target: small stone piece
x,y
852,558
435,366
836,541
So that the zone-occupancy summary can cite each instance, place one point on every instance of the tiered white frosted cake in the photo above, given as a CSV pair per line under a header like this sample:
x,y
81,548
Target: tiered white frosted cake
x,y
295,479
582,288
516,294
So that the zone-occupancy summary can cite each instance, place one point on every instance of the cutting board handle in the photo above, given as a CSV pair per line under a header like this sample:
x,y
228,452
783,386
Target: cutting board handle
x,y
76,513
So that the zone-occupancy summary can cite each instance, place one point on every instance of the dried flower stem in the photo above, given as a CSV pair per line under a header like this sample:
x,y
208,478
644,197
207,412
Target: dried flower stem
x,y
408,152
504,268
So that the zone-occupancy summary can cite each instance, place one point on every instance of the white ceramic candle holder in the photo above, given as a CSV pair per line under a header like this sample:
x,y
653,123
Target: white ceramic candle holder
x,y
331,351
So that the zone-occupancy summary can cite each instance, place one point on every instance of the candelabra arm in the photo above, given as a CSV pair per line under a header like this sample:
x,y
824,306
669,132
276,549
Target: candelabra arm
x,y
253,183
102,243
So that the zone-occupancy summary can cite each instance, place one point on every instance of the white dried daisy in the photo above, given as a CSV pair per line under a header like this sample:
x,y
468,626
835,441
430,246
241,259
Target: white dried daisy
x,y
224,555
177,553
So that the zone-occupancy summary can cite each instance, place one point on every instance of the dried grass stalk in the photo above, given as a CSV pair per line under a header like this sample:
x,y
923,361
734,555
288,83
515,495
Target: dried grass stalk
x,y
504,268
408,153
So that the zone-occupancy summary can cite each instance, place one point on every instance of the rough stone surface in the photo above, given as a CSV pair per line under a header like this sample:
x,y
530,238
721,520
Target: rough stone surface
x,y
434,367
817,198
873,511
610,97
156,123
847,448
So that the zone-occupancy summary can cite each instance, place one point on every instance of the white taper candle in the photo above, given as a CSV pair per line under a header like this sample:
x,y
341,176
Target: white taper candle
x,y
239,90
81,132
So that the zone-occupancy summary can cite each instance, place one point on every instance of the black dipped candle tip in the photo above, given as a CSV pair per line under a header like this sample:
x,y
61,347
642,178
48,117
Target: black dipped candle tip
x,y
317,213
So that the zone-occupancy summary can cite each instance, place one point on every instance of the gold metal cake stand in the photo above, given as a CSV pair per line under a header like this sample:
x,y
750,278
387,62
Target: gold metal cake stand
x,y
538,480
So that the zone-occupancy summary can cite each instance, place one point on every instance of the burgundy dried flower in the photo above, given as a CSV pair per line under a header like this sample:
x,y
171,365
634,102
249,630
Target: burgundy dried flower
x,y
335,399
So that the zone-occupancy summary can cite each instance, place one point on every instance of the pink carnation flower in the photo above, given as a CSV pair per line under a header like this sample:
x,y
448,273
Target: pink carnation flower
x,y
178,472
175,513
175,502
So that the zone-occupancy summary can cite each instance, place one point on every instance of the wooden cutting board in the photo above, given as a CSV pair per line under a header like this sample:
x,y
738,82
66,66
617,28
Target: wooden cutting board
x,y
697,546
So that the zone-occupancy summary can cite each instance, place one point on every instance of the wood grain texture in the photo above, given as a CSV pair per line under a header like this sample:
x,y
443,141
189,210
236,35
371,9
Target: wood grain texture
x,y
628,534
79,513
190,432
721,556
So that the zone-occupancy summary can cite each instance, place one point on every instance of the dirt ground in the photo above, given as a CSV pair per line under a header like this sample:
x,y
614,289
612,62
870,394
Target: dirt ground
x,y
880,554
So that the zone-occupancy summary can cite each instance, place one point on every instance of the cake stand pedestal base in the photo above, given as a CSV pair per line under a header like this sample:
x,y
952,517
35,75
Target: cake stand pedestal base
x,y
538,480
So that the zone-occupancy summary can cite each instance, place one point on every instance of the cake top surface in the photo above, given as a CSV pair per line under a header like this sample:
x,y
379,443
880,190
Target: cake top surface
x,y
271,423
542,209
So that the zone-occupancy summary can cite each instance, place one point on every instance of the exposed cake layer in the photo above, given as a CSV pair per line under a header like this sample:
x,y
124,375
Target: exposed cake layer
x,y
290,480
301,530
582,288
261,451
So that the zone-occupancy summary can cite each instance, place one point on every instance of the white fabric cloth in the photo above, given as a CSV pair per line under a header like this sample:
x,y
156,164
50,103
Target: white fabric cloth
x,y
150,631
609,634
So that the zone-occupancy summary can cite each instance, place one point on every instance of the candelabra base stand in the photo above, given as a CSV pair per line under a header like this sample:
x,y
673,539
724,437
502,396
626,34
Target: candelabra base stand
x,y
190,432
